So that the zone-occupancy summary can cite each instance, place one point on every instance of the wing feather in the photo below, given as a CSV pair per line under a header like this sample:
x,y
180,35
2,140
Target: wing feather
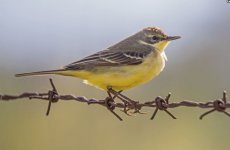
x,y
109,58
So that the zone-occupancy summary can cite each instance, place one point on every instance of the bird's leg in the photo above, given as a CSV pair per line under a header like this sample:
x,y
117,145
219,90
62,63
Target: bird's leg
x,y
121,96
129,103
111,92
119,92
116,94
132,104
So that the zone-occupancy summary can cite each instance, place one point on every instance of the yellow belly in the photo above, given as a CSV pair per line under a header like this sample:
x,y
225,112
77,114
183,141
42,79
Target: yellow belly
x,y
123,77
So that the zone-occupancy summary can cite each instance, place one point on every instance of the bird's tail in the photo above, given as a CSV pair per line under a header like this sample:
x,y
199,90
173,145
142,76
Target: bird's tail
x,y
58,71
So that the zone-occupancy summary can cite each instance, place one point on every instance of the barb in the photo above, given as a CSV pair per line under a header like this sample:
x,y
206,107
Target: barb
x,y
51,97
159,103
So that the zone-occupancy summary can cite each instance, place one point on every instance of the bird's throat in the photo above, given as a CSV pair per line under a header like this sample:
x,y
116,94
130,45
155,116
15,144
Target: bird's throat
x,y
160,46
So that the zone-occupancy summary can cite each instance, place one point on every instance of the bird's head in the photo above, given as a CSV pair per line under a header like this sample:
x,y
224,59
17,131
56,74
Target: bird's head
x,y
156,37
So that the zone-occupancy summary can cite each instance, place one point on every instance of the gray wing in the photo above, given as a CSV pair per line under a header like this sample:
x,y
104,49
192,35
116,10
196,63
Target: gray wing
x,y
109,58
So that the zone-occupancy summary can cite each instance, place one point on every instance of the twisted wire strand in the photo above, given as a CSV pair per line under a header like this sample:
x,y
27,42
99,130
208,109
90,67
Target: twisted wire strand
x,y
159,103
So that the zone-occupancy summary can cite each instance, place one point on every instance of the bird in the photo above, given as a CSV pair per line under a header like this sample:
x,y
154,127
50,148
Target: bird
x,y
127,64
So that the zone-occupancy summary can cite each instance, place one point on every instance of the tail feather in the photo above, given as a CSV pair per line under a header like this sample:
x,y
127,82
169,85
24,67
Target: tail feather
x,y
39,73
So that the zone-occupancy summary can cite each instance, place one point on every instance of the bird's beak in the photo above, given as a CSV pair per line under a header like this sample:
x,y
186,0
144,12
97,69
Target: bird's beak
x,y
170,38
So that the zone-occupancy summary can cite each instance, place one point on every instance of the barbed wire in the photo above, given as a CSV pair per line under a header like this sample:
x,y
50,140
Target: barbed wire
x,y
128,107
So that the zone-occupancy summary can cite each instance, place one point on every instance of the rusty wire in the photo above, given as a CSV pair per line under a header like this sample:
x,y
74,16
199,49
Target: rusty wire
x,y
159,103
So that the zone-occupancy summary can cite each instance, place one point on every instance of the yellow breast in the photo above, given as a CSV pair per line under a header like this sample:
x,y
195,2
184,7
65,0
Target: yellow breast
x,y
125,77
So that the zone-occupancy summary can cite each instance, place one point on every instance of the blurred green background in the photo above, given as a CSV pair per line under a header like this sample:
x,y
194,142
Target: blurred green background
x,y
47,34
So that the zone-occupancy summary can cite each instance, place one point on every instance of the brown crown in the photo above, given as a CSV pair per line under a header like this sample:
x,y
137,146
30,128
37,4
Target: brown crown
x,y
154,29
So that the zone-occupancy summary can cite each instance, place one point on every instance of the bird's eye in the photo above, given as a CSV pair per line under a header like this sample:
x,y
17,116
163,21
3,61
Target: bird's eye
x,y
154,38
